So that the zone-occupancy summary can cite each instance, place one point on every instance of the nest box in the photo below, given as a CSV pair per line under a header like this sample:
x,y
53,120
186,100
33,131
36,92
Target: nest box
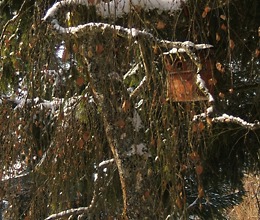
x,y
181,73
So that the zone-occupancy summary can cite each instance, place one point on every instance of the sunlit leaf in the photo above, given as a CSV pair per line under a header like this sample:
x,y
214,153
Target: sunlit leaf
x,y
223,17
194,156
179,203
80,81
218,37
207,9
200,191
126,105
40,153
231,44
65,55
220,67
86,136
212,81
221,95
231,90
160,25
199,169
99,48
81,143
198,127
204,14
120,123
209,121
75,48
223,27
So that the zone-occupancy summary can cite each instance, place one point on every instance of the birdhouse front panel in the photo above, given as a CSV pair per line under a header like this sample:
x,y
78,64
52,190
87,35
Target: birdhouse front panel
x,y
181,76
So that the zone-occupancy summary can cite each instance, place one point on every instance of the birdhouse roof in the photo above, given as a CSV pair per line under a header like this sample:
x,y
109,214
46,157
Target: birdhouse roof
x,y
188,45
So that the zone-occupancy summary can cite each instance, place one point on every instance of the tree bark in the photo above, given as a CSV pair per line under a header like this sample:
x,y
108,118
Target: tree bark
x,y
125,138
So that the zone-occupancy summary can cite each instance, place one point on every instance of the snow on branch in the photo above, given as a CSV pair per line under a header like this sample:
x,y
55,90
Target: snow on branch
x,y
225,118
115,9
99,26
236,120
118,8
202,86
75,211
82,211
58,5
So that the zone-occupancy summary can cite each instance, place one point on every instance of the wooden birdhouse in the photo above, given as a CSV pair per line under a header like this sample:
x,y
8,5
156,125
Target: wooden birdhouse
x,y
181,73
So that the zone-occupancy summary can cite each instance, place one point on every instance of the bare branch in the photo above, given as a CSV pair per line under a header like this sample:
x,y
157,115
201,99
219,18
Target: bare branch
x,y
76,211
11,20
139,87
105,162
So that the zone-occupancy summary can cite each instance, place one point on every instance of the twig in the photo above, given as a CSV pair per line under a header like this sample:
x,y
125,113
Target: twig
x,y
76,211
12,20
105,162
195,202
83,210
139,87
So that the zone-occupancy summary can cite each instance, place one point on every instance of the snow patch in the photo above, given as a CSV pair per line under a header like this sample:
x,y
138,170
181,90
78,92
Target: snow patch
x,y
139,149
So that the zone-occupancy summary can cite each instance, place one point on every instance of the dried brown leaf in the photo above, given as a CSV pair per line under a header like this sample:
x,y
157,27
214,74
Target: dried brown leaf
x,y
120,123
126,105
80,81
200,191
220,68
160,25
218,37
99,48
223,27
223,17
221,95
212,81
199,169
231,44
86,136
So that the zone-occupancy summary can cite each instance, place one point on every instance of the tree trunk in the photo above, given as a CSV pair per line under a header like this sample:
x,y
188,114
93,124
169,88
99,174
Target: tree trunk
x,y
125,136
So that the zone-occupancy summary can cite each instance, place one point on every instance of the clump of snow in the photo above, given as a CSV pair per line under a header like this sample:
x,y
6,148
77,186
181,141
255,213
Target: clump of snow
x,y
237,120
182,47
138,149
201,83
117,8
53,10
137,122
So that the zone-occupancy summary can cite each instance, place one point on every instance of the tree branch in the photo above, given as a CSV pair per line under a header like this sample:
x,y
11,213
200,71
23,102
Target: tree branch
x,y
236,120
76,211
88,209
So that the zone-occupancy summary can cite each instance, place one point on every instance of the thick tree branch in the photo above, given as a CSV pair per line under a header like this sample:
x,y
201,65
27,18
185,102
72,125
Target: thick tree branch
x,y
236,120
80,210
